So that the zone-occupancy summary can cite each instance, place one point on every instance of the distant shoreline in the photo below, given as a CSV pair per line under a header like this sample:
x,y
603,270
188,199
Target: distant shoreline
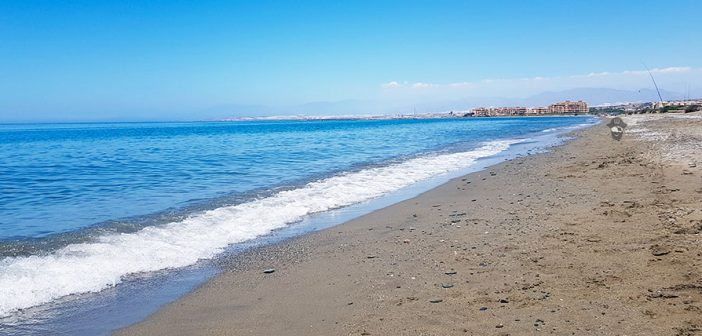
x,y
276,118
403,117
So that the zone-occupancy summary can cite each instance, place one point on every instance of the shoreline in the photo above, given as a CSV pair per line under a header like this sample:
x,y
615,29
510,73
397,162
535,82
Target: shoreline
x,y
549,254
141,295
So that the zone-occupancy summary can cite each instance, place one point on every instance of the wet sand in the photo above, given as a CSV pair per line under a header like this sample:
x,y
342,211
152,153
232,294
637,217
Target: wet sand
x,y
597,237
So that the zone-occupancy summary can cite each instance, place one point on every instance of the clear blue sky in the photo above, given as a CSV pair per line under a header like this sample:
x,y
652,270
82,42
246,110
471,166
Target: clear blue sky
x,y
123,60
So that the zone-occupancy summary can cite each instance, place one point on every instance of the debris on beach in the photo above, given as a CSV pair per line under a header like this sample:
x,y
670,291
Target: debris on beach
x,y
658,250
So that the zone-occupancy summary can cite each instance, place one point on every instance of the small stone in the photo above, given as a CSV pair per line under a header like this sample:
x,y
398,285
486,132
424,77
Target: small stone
x,y
658,250
499,326
692,165
483,308
446,285
504,301
450,272
269,270
664,295
436,300
630,204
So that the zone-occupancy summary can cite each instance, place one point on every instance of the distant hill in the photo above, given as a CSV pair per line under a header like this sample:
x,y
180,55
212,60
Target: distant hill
x,y
600,96
593,96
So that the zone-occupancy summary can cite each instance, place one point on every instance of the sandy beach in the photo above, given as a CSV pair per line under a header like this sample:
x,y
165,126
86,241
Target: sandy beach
x,y
596,237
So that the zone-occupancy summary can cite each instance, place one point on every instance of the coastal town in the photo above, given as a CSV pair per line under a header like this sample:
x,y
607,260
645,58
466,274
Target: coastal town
x,y
581,107
669,106
565,107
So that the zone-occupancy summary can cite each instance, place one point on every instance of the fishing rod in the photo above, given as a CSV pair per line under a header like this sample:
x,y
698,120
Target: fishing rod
x,y
654,82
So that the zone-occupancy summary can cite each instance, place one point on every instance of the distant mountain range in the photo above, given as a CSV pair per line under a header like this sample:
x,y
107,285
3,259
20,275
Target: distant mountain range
x,y
600,96
593,96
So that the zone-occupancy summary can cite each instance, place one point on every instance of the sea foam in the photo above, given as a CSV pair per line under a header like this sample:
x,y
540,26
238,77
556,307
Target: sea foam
x,y
91,267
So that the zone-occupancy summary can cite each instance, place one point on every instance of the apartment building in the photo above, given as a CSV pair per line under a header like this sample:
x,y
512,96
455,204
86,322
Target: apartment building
x,y
568,107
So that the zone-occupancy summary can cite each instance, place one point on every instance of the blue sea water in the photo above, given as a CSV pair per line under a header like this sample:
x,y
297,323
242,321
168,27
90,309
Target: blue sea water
x,y
82,206
64,177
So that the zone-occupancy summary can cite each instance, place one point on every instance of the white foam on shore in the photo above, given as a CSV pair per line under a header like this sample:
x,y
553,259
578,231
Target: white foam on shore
x,y
91,267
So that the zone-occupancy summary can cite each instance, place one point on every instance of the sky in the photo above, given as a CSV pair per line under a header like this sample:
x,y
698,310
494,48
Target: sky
x,y
195,60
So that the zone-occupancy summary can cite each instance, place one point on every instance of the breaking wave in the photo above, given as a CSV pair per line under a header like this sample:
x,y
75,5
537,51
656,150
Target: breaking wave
x,y
28,281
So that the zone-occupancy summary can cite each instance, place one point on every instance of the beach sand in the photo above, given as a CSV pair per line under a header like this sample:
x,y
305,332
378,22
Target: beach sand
x,y
597,237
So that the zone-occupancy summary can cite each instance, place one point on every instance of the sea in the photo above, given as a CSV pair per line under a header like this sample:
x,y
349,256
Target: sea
x,y
103,223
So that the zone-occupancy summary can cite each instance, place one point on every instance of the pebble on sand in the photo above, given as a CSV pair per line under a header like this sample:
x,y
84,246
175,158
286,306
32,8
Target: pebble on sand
x,y
658,250
269,270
